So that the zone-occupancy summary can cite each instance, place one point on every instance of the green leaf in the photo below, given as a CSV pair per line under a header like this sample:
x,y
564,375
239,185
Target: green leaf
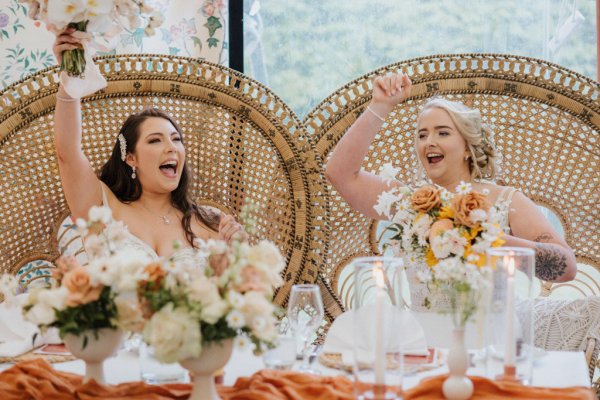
x,y
212,42
197,41
213,23
174,50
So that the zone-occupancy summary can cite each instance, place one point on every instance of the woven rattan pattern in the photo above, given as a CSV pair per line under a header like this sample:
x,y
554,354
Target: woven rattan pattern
x,y
242,142
547,126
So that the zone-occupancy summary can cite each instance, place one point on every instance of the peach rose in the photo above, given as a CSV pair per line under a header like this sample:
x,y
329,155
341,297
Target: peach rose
x,y
252,279
218,263
77,282
463,204
439,227
155,272
426,198
64,264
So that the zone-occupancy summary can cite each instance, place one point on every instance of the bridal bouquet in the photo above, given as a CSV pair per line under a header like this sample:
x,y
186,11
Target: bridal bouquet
x,y
98,18
88,298
451,232
188,308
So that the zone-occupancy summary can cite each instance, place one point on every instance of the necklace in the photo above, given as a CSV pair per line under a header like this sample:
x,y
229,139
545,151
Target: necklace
x,y
165,218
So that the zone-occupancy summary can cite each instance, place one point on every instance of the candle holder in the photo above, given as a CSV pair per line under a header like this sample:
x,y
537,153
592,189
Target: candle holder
x,y
379,319
510,349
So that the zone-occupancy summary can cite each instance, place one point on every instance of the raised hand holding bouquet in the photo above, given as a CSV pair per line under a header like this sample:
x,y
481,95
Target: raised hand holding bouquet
x,y
443,237
91,23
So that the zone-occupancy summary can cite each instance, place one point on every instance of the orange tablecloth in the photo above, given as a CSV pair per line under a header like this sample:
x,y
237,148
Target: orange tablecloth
x,y
36,379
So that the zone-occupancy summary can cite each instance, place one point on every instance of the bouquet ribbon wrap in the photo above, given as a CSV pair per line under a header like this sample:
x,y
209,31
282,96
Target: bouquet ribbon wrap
x,y
92,80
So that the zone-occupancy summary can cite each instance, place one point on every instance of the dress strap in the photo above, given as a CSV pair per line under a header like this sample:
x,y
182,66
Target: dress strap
x,y
104,198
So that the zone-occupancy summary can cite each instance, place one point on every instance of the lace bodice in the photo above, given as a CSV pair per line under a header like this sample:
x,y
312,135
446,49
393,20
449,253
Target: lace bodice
x,y
419,291
184,254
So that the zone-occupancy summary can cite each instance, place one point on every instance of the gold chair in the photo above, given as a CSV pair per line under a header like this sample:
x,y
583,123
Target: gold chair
x,y
242,141
547,124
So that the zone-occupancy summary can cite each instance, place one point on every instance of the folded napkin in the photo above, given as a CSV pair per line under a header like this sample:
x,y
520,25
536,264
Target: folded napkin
x,y
401,330
16,334
35,379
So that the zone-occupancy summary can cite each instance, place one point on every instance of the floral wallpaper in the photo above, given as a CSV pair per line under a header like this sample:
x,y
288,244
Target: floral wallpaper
x,y
192,28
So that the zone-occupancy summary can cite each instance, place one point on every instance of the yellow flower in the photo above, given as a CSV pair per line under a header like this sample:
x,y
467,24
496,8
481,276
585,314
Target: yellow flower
x,y
471,233
498,242
468,250
481,262
446,212
430,258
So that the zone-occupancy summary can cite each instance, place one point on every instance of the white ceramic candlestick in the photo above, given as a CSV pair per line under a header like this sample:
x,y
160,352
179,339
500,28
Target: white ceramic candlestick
x,y
509,346
380,360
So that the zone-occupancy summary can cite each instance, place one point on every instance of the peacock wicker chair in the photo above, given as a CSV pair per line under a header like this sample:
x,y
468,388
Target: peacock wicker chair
x,y
547,124
242,141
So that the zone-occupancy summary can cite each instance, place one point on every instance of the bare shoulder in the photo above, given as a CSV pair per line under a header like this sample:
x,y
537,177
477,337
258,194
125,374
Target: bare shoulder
x,y
207,226
495,192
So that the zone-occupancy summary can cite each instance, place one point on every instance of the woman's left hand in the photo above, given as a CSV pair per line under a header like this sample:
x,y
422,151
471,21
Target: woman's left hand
x,y
230,229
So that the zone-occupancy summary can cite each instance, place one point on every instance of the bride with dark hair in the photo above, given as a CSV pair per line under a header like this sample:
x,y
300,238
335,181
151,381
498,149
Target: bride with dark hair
x,y
145,182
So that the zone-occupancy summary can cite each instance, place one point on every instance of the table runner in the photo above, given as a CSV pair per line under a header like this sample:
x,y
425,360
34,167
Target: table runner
x,y
36,379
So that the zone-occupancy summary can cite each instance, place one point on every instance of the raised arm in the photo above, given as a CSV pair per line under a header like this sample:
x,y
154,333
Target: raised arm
x,y
554,259
359,188
79,182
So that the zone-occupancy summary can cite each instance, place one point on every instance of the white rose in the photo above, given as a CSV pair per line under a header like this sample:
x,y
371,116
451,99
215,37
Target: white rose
x,y
41,314
215,311
100,214
174,334
204,291
266,257
54,298
60,13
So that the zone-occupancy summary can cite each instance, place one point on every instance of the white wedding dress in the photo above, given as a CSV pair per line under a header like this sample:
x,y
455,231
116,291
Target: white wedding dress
x,y
181,255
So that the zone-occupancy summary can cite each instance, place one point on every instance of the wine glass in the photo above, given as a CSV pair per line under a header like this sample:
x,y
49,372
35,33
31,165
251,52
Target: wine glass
x,y
305,314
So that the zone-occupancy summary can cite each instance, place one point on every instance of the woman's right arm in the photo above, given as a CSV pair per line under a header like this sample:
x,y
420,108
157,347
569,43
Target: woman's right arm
x,y
80,184
359,188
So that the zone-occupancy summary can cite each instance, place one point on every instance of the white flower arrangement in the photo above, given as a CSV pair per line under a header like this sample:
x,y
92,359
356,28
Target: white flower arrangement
x,y
188,308
450,232
87,299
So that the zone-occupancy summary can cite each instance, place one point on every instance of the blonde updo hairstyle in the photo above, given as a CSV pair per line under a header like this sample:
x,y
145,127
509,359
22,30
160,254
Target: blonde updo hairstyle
x,y
484,159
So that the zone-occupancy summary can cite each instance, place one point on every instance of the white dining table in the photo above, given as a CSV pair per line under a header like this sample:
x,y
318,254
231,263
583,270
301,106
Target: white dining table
x,y
553,369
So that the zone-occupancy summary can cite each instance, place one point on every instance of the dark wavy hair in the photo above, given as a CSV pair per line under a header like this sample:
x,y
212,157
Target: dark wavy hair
x,y
116,174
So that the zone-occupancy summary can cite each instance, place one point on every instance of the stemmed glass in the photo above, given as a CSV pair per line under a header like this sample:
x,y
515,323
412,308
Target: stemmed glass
x,y
305,314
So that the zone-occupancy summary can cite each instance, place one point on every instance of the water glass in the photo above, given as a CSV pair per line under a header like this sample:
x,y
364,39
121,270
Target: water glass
x,y
510,346
283,355
154,372
305,314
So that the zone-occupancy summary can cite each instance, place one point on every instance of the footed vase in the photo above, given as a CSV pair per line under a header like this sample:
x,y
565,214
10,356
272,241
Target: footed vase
x,y
458,386
214,356
95,351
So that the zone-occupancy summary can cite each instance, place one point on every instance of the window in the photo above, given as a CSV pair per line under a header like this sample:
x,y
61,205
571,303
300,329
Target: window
x,y
304,50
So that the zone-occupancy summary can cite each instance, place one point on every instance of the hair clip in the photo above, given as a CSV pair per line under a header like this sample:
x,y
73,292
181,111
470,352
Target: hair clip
x,y
123,146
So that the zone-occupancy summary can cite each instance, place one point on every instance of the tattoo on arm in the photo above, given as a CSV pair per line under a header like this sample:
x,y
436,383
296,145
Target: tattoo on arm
x,y
543,238
550,262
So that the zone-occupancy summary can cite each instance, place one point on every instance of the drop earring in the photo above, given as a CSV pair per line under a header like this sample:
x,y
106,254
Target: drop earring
x,y
133,174
466,157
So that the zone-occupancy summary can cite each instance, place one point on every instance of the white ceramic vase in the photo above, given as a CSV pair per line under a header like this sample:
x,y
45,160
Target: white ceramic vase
x,y
213,357
458,386
95,351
